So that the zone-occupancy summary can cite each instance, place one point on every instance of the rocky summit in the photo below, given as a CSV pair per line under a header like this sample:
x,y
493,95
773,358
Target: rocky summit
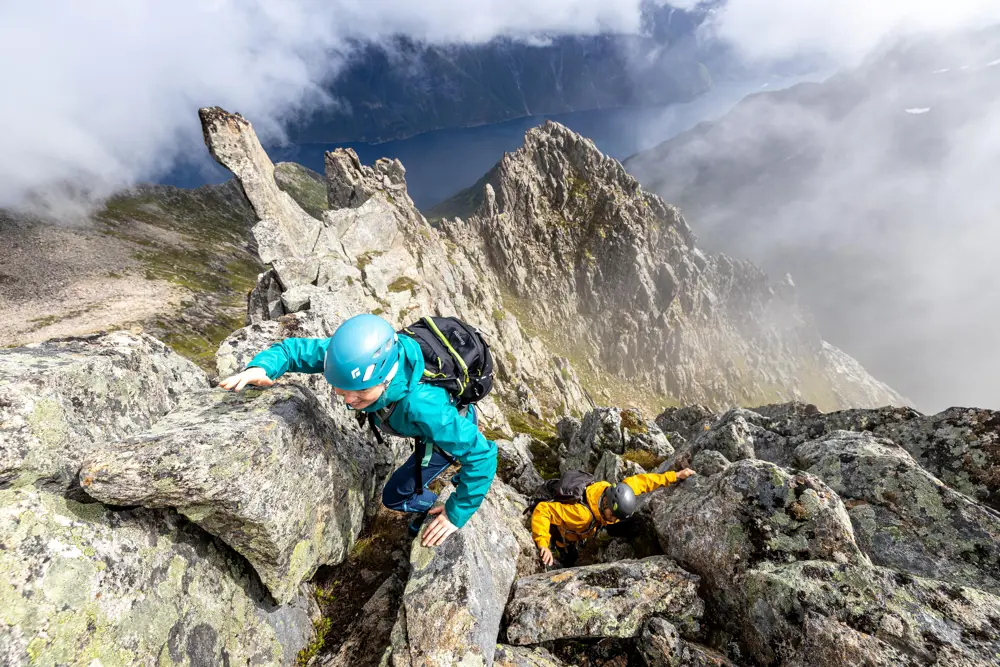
x,y
148,518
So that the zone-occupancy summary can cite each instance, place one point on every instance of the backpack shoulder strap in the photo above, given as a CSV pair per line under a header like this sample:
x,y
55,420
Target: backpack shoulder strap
x,y
464,380
375,429
369,418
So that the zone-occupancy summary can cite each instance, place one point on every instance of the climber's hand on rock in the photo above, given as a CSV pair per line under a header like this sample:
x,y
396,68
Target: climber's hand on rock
x,y
546,556
439,529
254,375
684,474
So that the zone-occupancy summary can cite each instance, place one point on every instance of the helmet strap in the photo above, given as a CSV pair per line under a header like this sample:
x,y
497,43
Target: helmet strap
x,y
392,374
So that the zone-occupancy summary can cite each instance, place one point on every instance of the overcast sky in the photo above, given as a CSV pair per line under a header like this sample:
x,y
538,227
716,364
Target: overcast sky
x,y
104,93
843,29
905,191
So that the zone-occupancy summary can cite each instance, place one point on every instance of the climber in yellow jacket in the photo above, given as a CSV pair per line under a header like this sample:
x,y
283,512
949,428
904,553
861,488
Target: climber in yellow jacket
x,y
572,523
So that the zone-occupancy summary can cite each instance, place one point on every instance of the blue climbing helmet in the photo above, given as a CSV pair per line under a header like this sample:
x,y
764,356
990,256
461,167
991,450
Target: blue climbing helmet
x,y
363,353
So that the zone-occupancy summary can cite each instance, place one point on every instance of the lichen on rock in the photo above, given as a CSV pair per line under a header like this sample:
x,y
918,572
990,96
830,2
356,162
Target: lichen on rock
x,y
267,472
60,399
81,584
608,600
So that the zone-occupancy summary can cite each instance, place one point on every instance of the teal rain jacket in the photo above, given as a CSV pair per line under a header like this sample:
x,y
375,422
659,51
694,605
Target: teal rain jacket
x,y
423,411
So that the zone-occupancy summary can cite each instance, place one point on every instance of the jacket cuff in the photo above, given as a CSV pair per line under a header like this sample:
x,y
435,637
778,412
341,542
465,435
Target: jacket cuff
x,y
454,515
671,476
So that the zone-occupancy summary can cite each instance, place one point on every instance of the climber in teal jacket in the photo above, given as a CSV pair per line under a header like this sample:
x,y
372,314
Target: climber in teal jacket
x,y
378,371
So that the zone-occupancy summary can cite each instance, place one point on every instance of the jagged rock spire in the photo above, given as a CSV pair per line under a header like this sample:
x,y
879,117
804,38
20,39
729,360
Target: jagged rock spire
x,y
284,229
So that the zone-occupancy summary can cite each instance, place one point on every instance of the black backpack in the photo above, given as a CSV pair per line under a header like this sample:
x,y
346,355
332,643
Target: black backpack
x,y
456,357
570,488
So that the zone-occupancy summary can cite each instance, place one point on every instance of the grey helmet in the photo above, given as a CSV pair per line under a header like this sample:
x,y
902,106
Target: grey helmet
x,y
620,499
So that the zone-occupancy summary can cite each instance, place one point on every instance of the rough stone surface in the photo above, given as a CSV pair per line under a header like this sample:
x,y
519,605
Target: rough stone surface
x,y
600,431
266,471
615,550
688,422
613,468
373,627
519,656
609,600
709,462
456,593
733,435
904,517
960,446
660,645
516,465
513,513
299,297
60,399
930,622
828,642
567,428
294,271
785,575
84,585
651,440
284,230
754,512
264,302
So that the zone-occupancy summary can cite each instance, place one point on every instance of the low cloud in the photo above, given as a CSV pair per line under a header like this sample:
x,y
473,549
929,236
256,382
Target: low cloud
x,y
102,94
876,189
844,30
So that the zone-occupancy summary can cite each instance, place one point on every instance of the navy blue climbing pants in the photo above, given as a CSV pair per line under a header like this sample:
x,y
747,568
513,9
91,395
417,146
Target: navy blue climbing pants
x,y
400,492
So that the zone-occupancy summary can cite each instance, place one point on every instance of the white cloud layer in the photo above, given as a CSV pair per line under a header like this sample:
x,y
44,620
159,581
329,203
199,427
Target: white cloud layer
x,y
104,93
904,189
845,30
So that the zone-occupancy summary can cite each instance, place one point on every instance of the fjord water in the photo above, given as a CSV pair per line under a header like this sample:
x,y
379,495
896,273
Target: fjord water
x,y
442,162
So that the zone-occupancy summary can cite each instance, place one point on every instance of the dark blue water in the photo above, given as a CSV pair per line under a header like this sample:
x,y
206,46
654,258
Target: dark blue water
x,y
440,163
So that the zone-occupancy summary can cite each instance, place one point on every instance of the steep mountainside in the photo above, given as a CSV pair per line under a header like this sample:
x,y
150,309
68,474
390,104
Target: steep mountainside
x,y
874,189
410,87
176,262
610,276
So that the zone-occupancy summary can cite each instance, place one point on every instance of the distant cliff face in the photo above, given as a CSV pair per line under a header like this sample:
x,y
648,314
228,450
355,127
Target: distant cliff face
x,y
410,87
872,189
610,274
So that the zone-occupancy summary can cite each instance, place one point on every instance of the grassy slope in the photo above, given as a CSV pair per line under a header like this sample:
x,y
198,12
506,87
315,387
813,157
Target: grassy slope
x,y
213,261
204,250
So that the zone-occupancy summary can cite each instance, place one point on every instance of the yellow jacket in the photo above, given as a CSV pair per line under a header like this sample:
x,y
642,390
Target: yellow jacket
x,y
576,522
